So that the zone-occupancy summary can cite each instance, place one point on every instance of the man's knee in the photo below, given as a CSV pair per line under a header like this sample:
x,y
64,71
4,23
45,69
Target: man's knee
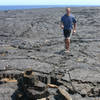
x,y
67,39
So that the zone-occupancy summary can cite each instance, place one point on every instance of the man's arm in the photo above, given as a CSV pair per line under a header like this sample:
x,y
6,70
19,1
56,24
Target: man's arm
x,y
61,23
74,28
74,24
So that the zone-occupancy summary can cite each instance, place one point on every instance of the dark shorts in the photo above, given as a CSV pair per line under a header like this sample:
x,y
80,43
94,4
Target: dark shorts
x,y
67,33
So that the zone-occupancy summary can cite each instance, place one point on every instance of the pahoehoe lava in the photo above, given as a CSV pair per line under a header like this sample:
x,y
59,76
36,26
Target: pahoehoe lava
x,y
33,39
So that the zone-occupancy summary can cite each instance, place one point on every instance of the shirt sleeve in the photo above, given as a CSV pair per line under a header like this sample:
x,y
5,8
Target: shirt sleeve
x,y
74,20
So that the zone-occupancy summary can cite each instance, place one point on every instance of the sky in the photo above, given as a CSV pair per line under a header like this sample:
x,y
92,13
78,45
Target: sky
x,y
49,2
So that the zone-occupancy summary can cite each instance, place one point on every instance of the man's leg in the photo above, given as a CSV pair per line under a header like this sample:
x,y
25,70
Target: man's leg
x,y
67,35
67,44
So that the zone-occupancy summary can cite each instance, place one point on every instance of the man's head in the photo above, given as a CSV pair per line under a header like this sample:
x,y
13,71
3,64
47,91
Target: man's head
x,y
68,11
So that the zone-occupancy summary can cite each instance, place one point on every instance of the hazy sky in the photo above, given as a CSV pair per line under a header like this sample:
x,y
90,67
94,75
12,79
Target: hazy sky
x,y
49,2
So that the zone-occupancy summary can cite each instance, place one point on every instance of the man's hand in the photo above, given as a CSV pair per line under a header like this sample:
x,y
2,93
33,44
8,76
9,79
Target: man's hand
x,y
74,31
62,26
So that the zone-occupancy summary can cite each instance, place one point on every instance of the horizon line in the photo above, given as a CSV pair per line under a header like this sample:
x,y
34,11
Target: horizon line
x,y
54,5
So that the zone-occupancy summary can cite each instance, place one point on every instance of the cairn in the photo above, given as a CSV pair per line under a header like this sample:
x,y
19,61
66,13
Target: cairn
x,y
29,88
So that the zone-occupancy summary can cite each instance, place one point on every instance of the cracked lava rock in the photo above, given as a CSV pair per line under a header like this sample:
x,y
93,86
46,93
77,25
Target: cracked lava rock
x,y
33,39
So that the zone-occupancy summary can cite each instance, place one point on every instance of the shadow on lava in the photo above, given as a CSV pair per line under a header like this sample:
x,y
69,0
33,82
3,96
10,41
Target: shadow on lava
x,y
61,52
59,96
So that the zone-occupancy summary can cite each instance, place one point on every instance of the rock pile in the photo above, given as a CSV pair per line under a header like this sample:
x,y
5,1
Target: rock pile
x,y
29,88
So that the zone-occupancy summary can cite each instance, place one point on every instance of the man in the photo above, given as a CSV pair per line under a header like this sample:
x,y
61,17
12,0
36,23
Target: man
x,y
68,24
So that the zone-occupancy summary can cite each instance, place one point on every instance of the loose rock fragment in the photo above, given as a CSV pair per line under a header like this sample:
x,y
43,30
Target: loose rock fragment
x,y
5,80
65,93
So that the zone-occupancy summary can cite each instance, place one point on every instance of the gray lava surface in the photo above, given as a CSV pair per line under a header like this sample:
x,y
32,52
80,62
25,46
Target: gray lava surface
x,y
33,39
